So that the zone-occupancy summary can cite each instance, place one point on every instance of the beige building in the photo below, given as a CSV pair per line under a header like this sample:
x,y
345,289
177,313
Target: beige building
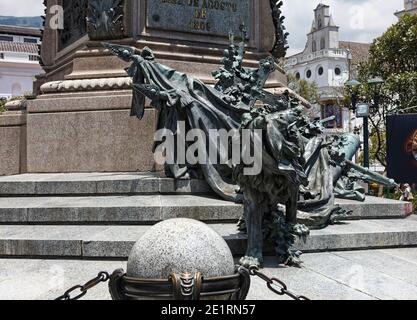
x,y
410,6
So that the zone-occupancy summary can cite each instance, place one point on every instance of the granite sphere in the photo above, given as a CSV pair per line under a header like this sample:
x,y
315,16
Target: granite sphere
x,y
180,246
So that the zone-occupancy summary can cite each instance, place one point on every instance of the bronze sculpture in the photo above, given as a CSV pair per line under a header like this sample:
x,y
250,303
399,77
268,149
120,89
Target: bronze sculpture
x,y
302,169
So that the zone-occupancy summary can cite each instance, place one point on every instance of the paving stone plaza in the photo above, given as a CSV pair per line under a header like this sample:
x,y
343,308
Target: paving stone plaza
x,y
386,274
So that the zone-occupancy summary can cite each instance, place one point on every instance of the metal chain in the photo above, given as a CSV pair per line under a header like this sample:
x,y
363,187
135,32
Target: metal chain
x,y
275,285
101,278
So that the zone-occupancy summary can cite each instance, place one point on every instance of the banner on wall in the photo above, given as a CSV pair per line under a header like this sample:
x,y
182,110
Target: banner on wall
x,y
402,148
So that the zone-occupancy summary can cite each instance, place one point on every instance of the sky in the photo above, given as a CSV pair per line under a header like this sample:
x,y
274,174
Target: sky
x,y
359,20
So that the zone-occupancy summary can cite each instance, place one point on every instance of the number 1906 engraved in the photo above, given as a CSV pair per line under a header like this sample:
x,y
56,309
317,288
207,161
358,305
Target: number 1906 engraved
x,y
199,21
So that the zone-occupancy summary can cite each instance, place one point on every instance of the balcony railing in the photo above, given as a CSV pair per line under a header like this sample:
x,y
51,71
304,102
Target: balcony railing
x,y
19,57
327,53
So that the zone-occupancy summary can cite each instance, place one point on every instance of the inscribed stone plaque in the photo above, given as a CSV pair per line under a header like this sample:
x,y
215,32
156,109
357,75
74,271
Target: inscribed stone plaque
x,y
211,17
75,25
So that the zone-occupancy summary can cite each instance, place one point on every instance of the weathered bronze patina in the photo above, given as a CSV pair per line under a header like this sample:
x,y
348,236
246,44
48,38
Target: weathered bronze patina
x,y
302,169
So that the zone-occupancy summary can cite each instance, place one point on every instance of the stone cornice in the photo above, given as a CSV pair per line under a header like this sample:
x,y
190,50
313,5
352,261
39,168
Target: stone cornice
x,y
12,118
86,85
16,105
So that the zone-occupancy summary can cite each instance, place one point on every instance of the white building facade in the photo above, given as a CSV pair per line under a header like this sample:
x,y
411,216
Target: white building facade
x,y
410,6
19,60
326,61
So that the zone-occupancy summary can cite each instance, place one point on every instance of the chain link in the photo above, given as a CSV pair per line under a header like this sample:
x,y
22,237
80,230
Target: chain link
x,y
101,278
275,285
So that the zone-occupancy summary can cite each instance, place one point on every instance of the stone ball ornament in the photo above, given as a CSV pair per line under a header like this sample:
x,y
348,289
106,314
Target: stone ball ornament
x,y
180,259
180,246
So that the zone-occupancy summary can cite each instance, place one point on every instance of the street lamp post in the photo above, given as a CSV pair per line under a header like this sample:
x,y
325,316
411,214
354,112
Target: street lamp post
x,y
353,86
366,142
362,109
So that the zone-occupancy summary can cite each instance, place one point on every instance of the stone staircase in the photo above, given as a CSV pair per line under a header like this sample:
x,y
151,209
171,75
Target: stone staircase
x,y
101,216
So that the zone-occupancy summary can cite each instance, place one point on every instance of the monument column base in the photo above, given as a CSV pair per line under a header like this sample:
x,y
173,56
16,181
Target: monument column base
x,y
80,120
13,140
88,131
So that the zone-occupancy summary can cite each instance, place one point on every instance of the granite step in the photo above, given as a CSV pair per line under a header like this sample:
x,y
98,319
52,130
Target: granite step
x,y
81,184
148,209
142,209
111,242
376,208
106,198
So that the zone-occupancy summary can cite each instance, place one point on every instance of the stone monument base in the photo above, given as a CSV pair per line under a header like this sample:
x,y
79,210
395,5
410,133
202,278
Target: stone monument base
x,y
80,119
81,125
88,131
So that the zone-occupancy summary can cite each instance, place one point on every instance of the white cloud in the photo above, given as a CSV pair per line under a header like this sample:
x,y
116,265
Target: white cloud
x,y
21,8
359,20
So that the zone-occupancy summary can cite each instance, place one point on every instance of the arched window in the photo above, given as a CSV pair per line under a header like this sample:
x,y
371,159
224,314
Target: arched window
x,y
322,44
16,90
314,46
298,76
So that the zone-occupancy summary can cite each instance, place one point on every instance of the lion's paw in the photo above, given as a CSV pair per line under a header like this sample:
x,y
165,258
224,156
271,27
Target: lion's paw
x,y
300,230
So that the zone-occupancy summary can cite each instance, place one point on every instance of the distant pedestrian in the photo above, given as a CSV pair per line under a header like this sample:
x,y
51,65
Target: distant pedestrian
x,y
406,193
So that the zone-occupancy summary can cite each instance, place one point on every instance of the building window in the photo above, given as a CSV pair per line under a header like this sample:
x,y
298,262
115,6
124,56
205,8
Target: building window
x,y
320,71
298,76
337,71
314,46
30,40
1,56
329,111
322,44
6,38
308,74
33,58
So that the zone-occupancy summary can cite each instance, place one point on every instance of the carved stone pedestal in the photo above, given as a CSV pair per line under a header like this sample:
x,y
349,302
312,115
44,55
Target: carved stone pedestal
x,y
80,120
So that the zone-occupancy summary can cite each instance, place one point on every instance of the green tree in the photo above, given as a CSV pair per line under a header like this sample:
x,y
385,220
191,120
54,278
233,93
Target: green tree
x,y
307,90
393,56
2,105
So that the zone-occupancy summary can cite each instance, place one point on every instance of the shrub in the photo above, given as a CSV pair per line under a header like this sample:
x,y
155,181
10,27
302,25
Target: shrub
x,y
2,105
